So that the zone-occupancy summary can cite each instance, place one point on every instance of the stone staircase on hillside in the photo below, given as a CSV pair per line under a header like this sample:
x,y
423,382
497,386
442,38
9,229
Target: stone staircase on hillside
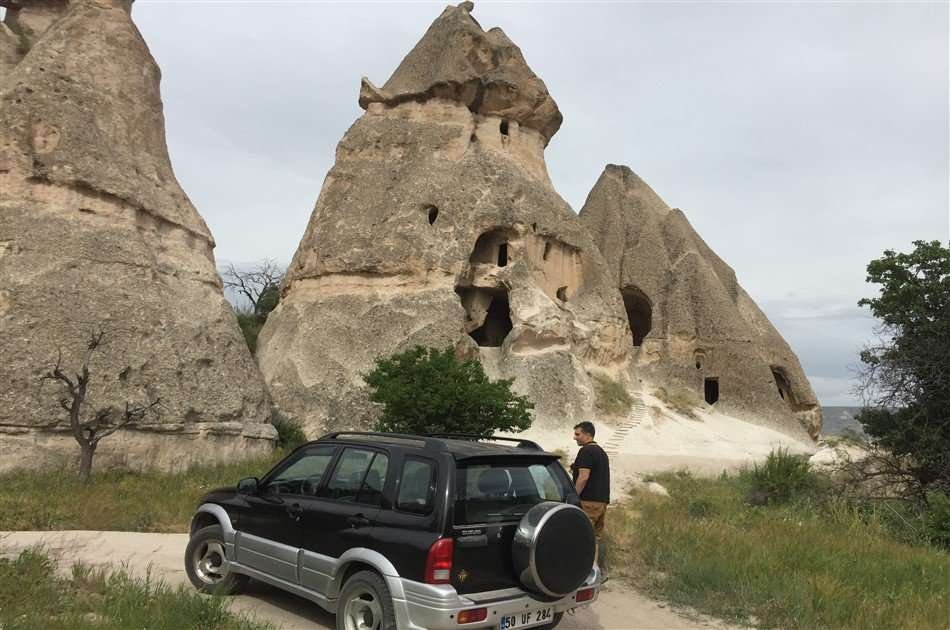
x,y
638,411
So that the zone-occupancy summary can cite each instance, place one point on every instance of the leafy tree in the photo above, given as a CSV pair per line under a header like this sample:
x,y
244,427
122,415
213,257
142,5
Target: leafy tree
x,y
426,390
905,380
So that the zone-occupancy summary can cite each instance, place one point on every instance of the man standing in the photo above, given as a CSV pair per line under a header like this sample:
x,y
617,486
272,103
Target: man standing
x,y
591,470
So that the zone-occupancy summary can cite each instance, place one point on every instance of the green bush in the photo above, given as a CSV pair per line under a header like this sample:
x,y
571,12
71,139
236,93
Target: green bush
x,y
937,519
611,396
426,390
289,433
779,478
251,326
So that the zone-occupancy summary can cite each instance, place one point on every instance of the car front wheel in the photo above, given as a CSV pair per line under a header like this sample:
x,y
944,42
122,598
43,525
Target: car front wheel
x,y
206,564
365,604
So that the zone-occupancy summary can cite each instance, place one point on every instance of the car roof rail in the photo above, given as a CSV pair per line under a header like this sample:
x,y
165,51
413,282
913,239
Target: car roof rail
x,y
402,439
475,437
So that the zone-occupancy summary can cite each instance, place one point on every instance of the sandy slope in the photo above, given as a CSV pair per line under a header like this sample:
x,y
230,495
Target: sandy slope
x,y
665,440
619,607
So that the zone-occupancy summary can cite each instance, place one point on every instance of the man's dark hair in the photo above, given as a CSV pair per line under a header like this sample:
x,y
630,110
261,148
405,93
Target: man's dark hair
x,y
586,427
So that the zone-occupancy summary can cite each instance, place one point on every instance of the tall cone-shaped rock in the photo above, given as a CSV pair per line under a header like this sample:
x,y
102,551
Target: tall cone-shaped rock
x,y
438,226
692,325
95,231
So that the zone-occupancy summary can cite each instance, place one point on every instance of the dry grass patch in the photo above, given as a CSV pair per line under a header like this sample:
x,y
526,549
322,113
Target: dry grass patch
x,y
612,398
680,400
115,501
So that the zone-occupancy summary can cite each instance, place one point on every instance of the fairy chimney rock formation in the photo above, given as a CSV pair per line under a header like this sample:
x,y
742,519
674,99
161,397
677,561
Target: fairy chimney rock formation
x,y
692,325
96,231
438,226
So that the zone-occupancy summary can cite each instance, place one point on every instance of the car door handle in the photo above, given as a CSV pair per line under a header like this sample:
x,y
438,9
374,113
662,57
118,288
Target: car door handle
x,y
358,520
295,511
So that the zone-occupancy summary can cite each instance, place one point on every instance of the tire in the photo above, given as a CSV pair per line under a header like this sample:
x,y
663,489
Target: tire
x,y
365,604
206,564
553,549
553,624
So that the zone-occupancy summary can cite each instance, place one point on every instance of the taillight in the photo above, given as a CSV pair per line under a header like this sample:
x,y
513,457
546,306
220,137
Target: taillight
x,y
439,561
584,595
473,615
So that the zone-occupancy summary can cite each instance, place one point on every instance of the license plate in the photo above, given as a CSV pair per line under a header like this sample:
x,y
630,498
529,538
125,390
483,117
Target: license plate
x,y
527,619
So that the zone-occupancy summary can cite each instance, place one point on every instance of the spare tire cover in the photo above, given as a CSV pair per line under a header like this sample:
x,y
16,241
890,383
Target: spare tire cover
x,y
553,548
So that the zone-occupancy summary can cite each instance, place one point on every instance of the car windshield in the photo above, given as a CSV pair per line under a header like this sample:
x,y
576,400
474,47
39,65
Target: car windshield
x,y
489,492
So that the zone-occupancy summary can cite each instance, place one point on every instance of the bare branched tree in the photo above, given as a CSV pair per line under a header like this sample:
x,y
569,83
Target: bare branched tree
x,y
89,429
260,285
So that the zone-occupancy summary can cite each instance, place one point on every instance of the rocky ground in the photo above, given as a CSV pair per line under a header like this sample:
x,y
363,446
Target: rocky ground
x,y
161,556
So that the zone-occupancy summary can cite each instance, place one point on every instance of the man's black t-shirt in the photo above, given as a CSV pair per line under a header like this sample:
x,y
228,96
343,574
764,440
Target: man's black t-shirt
x,y
598,484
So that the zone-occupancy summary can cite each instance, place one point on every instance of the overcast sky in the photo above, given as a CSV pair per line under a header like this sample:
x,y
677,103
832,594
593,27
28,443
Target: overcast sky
x,y
800,139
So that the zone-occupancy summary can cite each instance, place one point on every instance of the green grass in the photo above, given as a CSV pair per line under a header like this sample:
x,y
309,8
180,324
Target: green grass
x,y
34,596
612,398
813,562
118,501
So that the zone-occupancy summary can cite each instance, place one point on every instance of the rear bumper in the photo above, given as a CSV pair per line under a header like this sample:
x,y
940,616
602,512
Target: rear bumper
x,y
430,607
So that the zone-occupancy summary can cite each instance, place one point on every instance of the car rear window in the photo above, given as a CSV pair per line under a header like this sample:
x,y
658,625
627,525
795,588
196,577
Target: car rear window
x,y
491,492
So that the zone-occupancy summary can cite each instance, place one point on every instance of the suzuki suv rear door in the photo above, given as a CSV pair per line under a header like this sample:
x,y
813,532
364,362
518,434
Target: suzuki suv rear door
x,y
491,496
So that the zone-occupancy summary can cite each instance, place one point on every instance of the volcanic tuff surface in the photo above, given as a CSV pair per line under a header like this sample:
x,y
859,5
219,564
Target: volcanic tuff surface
x,y
438,226
693,326
95,230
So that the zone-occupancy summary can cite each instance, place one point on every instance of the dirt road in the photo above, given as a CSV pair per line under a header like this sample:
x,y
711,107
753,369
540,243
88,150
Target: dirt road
x,y
619,607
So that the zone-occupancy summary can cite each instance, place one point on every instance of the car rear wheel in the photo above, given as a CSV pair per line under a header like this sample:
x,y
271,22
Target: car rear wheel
x,y
365,604
554,624
207,566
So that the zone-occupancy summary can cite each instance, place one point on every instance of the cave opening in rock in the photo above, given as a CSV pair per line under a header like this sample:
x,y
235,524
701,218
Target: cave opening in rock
x,y
503,127
547,251
432,214
783,386
639,313
492,248
711,387
562,294
497,324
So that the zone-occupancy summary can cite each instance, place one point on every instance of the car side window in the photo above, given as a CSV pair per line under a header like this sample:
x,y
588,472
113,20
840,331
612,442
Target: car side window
x,y
371,492
352,469
415,486
303,475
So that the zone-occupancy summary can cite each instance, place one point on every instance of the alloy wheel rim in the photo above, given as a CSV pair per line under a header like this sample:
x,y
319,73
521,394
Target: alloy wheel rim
x,y
210,563
363,611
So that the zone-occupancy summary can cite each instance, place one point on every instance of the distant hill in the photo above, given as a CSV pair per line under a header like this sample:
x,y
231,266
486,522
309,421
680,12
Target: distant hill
x,y
837,419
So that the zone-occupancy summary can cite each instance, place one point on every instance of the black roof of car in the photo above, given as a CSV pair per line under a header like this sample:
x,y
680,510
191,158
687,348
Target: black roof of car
x,y
460,446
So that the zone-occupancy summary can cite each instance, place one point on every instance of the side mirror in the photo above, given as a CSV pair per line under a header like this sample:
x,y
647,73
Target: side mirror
x,y
250,485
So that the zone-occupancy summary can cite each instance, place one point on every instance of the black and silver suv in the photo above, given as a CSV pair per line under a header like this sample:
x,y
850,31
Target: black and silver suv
x,y
402,531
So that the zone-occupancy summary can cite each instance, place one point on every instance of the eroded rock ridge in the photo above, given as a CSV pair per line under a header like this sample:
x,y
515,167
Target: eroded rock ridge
x,y
96,231
693,327
438,225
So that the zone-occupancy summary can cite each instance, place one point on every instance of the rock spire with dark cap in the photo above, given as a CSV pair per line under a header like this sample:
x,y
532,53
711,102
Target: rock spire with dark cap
x,y
96,231
438,226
